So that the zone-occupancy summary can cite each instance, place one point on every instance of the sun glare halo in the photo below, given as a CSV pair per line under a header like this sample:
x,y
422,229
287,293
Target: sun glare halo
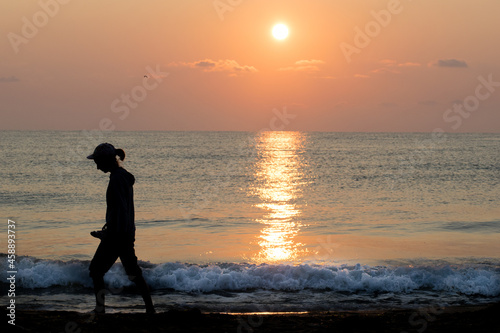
x,y
280,31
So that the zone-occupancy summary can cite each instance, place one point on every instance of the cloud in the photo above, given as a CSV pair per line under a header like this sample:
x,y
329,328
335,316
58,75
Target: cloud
x,y
389,66
309,62
209,65
304,66
388,105
361,76
388,62
385,70
409,64
394,63
204,64
9,79
450,63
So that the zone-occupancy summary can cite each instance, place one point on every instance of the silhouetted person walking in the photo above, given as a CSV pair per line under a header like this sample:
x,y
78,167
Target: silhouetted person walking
x,y
118,234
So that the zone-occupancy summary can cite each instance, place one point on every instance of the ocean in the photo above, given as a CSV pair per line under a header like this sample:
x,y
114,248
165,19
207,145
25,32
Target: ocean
x,y
260,221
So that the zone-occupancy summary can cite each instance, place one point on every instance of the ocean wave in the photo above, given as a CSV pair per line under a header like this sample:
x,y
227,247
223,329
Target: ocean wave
x,y
483,280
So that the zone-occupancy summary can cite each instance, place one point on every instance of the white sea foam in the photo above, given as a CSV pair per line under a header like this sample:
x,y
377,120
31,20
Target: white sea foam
x,y
470,280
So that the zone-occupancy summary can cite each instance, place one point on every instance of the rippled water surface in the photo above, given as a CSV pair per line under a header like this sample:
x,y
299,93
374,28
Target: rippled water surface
x,y
406,207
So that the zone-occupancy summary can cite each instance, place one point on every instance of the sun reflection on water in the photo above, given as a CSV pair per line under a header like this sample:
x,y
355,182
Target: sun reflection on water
x,y
279,176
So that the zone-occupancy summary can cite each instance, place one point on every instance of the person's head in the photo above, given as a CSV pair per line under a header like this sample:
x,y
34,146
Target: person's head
x,y
105,155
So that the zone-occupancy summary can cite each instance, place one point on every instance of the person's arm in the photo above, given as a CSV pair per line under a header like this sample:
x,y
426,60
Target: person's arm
x,y
101,234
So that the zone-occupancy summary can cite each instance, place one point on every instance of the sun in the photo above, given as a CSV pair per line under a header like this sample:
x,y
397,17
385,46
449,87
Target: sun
x,y
280,31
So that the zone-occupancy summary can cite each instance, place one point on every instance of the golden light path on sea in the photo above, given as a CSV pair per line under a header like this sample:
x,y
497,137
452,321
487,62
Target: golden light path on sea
x,y
278,176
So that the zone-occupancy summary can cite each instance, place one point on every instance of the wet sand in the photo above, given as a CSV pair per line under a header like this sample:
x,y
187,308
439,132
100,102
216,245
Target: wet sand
x,y
484,318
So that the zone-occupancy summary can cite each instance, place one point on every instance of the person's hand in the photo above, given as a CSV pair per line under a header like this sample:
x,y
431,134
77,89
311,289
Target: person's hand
x,y
98,234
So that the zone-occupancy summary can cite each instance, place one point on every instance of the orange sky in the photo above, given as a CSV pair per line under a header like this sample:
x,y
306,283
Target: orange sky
x,y
357,65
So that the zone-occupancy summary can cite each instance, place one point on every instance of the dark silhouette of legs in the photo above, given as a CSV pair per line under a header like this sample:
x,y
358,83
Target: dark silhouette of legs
x,y
105,256
134,272
100,294
146,295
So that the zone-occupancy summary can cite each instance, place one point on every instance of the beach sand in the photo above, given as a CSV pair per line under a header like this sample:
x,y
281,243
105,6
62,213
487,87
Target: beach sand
x,y
484,318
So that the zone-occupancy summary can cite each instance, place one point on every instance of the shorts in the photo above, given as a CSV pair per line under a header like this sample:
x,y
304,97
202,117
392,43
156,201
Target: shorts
x,y
106,254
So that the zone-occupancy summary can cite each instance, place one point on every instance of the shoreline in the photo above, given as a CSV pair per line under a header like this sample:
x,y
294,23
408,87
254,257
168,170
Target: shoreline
x,y
477,318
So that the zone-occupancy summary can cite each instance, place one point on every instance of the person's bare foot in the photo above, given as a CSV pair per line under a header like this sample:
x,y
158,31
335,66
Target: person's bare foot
x,y
98,311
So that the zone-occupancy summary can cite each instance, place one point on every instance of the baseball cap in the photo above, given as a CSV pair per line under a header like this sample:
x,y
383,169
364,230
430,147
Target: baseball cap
x,y
103,150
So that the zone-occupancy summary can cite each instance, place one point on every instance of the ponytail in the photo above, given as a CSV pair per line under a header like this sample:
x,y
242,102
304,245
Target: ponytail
x,y
120,153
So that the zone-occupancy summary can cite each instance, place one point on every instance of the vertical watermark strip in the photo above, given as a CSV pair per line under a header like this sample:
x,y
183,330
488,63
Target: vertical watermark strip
x,y
11,271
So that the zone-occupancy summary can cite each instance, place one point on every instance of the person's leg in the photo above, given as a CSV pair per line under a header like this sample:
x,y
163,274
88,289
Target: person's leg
x,y
134,272
104,257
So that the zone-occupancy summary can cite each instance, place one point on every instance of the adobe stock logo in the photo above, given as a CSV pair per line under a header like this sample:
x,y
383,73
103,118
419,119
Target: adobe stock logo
x,y
222,7
372,29
138,93
471,103
30,28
